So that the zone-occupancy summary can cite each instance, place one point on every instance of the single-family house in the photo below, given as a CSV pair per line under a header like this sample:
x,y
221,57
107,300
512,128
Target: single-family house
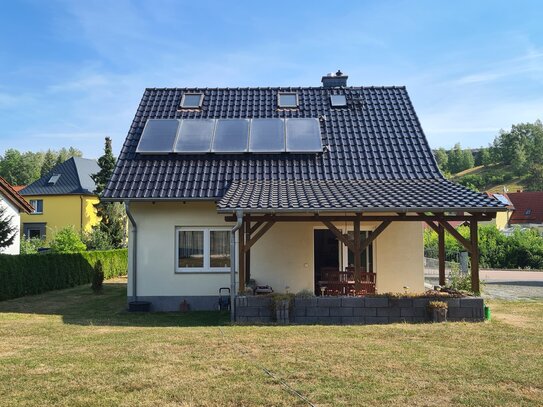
x,y
13,205
63,197
318,188
528,209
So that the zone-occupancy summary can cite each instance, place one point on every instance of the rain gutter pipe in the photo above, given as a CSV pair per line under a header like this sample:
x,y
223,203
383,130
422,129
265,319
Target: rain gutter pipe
x,y
134,251
234,241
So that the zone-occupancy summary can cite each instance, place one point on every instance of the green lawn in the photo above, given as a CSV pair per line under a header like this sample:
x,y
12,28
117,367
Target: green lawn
x,y
72,348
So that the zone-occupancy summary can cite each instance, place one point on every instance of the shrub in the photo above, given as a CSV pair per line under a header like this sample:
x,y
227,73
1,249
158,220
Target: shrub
x,y
97,277
97,239
437,304
305,294
31,246
37,273
67,240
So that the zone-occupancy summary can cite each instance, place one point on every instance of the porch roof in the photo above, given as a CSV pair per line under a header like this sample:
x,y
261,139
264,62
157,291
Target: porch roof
x,y
412,195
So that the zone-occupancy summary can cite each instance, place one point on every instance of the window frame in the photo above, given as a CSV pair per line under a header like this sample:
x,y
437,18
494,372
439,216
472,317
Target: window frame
x,y
207,250
336,105
281,106
35,211
182,105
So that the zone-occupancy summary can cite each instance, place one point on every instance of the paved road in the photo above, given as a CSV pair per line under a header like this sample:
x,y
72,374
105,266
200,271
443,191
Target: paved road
x,y
512,285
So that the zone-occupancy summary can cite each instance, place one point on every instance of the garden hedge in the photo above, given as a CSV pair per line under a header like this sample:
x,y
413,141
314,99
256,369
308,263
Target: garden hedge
x,y
37,273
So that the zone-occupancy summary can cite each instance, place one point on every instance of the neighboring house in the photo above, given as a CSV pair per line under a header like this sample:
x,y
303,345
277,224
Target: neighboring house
x,y
502,218
228,185
63,197
15,204
528,212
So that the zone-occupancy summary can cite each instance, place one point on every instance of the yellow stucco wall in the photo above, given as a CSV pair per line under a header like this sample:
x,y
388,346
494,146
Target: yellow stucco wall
x,y
60,211
282,257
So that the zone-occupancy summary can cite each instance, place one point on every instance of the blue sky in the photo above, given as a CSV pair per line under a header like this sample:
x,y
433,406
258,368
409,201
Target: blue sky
x,y
72,72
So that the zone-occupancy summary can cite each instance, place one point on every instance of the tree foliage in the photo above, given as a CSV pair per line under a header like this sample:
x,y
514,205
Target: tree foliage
x,y
24,168
112,214
8,232
455,160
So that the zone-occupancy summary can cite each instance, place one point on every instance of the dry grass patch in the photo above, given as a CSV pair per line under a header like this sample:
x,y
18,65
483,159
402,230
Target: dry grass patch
x,y
74,348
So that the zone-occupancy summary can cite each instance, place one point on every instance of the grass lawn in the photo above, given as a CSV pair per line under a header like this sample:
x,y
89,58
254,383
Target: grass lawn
x,y
71,348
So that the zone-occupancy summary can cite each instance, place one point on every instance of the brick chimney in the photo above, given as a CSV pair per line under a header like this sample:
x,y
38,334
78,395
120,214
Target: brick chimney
x,y
334,80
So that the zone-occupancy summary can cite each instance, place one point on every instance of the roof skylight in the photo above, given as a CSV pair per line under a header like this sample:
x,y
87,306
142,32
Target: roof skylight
x,y
338,100
53,180
192,100
287,99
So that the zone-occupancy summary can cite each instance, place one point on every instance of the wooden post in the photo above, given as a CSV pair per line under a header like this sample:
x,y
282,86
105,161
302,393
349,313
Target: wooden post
x,y
474,256
441,255
357,270
248,252
241,259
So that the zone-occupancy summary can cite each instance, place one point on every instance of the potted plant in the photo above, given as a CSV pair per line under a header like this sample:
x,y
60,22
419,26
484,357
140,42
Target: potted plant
x,y
438,311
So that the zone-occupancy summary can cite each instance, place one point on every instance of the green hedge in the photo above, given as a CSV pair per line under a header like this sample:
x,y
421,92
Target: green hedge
x,y
37,273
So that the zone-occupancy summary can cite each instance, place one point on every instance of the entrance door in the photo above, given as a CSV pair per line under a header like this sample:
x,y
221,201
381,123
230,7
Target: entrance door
x,y
326,253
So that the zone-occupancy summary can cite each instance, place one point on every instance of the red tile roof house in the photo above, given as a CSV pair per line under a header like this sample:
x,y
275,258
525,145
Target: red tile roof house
x,y
528,210
286,186
14,205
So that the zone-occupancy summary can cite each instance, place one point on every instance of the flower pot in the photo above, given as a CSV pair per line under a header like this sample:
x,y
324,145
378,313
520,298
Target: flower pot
x,y
439,314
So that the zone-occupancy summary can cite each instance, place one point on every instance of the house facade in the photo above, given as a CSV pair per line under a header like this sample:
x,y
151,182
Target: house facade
x,y
14,205
61,198
323,189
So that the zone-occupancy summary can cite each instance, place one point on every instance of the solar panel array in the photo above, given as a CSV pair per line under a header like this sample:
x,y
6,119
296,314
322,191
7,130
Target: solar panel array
x,y
225,136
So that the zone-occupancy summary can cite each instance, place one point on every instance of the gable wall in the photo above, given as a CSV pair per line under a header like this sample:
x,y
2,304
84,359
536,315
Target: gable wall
x,y
13,212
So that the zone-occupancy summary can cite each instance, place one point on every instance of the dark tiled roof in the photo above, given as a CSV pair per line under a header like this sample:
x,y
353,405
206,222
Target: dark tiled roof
x,y
9,192
371,195
377,137
75,178
528,207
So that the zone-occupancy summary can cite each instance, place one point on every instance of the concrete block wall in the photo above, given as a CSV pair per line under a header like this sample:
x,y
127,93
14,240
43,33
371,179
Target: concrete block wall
x,y
357,310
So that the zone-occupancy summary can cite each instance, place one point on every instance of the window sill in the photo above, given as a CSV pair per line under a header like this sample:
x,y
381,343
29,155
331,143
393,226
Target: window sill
x,y
203,271
36,213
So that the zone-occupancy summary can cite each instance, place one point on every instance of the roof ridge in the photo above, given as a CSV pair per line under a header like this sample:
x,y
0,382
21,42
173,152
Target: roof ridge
x,y
272,87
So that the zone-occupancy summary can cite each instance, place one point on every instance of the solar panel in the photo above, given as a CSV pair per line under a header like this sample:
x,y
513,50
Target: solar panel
x,y
195,136
303,135
231,136
267,136
158,136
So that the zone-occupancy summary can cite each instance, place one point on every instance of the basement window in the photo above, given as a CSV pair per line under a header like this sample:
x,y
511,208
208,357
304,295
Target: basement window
x,y
287,99
192,100
202,249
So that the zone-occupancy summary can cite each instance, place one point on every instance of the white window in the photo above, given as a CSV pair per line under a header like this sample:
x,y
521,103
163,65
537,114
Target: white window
x,y
202,249
287,99
38,206
192,100
338,100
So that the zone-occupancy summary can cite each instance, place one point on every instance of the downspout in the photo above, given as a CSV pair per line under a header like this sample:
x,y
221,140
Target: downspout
x,y
134,250
81,214
234,240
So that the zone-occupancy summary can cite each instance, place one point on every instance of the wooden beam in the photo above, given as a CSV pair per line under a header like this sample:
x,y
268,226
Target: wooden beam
x,y
340,236
258,235
255,227
350,218
433,226
475,287
357,252
441,255
463,241
373,235
248,252
241,259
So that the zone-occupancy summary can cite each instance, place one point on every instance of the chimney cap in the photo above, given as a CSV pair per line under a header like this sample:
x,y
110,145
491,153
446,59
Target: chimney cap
x,y
339,79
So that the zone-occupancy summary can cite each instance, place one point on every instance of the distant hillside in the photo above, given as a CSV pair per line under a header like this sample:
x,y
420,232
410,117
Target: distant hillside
x,y
491,178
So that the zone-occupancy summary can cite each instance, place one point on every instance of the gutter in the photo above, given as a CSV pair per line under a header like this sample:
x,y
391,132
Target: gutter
x,y
234,240
134,251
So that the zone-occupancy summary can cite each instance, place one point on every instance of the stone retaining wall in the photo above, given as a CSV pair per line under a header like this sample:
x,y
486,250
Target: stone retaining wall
x,y
357,310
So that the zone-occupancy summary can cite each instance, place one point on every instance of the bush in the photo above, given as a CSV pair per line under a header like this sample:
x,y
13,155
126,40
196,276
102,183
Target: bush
x,y
97,277
31,246
97,239
37,273
67,240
